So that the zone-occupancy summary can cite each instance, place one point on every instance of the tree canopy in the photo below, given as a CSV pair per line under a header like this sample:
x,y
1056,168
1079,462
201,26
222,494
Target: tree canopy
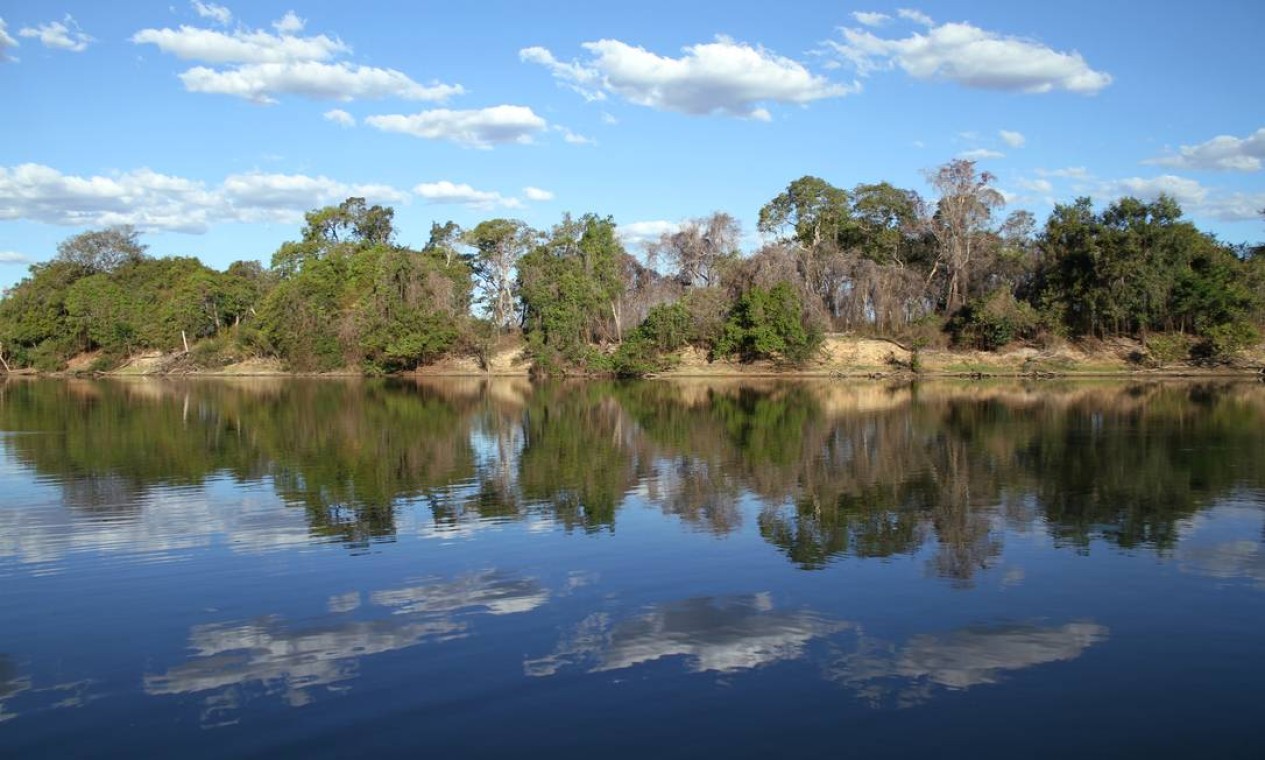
x,y
876,259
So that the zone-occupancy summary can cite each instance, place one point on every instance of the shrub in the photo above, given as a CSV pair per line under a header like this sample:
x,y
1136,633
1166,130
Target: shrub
x,y
1222,342
666,328
991,322
1166,348
767,324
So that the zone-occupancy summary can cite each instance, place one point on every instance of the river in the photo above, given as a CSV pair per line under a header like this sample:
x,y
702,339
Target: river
x,y
474,567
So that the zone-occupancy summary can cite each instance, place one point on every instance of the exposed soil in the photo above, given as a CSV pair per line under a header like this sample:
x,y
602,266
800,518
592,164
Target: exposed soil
x,y
840,356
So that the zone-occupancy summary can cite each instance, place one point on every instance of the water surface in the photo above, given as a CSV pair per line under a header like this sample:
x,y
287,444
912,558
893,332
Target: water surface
x,y
475,568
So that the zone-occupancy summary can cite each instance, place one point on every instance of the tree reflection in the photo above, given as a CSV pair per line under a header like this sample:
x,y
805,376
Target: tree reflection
x,y
834,471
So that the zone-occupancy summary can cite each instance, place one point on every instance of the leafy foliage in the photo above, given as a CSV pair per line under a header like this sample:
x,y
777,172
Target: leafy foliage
x,y
570,286
874,260
993,321
766,324
666,328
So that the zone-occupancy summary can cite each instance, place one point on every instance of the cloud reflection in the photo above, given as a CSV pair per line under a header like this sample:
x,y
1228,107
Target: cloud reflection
x,y
231,661
958,660
11,684
720,634
19,695
1213,545
736,633
161,525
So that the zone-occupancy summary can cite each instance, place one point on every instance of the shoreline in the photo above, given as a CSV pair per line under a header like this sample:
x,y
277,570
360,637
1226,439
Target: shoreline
x,y
841,357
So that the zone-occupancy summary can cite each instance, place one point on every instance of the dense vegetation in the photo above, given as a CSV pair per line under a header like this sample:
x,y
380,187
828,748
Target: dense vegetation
x,y
875,260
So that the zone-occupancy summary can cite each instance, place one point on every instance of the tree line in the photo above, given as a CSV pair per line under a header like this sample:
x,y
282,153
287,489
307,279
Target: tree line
x,y
874,260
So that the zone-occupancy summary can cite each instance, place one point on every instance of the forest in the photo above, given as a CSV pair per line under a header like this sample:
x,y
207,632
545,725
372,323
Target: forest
x,y
953,270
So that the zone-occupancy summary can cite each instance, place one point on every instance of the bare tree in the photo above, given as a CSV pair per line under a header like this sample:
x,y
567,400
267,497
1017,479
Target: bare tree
x,y
700,249
961,219
102,250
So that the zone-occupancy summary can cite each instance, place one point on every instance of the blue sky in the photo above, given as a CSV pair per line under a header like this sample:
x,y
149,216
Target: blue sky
x,y
214,126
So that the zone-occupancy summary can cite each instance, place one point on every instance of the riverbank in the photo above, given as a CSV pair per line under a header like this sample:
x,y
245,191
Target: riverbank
x,y
842,356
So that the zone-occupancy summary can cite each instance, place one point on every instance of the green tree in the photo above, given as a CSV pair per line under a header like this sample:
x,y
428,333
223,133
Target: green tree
x,y
887,218
570,286
349,226
499,244
766,324
811,212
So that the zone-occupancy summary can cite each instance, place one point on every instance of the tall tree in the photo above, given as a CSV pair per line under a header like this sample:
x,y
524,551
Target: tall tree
x,y
887,217
351,225
700,249
810,211
961,223
499,244
102,250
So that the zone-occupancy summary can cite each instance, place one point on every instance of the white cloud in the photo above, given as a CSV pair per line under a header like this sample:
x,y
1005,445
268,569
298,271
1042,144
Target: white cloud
x,y
151,200
1070,172
1036,185
444,192
6,42
918,17
261,65
480,128
1234,207
536,194
866,18
575,139
13,257
289,23
980,154
608,119
340,117
1187,192
141,197
242,46
259,82
585,81
1013,139
1193,197
971,57
721,77
638,233
60,35
212,12
261,197
1221,153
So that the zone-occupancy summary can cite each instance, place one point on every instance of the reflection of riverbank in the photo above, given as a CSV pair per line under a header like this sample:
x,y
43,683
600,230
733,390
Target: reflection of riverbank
x,y
824,469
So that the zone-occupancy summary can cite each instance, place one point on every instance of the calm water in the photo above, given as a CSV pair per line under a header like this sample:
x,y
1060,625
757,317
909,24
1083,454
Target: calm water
x,y
470,568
